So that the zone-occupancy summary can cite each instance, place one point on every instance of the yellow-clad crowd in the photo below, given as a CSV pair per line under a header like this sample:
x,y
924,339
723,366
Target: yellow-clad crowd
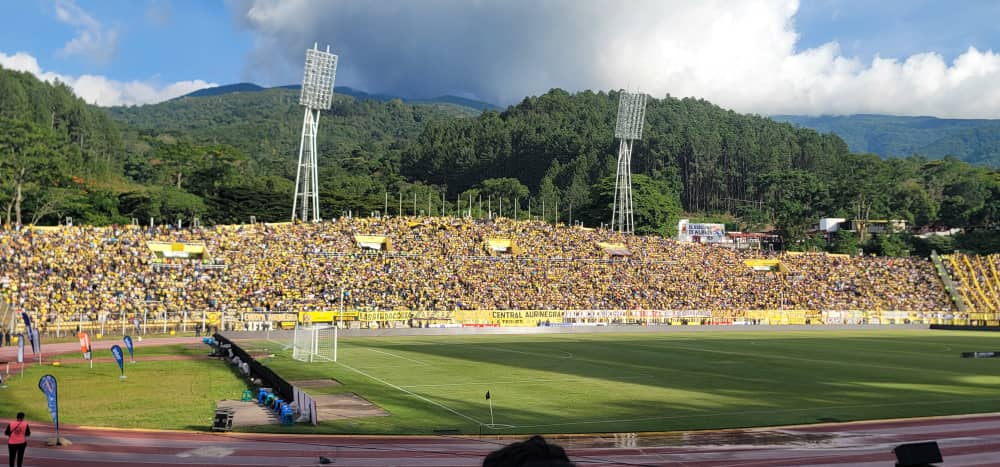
x,y
977,279
93,273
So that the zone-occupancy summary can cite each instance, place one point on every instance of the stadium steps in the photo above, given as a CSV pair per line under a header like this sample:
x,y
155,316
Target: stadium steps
x,y
949,285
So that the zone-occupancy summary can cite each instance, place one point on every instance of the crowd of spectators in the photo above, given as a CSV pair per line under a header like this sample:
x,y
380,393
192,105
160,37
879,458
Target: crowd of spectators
x,y
92,273
977,279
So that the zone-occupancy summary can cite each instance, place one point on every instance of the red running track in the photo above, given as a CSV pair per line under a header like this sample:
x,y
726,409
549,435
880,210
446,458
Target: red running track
x,y
965,441
969,440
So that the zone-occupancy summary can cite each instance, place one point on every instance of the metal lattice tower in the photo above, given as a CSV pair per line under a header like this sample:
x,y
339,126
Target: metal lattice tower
x,y
631,114
317,94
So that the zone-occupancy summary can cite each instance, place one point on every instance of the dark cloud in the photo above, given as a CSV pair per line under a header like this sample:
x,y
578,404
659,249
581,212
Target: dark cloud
x,y
738,54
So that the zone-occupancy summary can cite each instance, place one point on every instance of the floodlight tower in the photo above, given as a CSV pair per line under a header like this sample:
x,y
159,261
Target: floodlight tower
x,y
631,114
316,96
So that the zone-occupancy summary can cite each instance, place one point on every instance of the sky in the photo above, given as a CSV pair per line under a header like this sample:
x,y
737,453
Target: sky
x,y
815,57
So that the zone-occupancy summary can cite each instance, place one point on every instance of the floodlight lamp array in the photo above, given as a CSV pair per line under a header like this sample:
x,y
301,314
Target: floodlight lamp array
x,y
318,79
631,114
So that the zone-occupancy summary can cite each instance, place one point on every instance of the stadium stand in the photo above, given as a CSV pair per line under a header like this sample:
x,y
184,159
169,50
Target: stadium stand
x,y
84,274
978,282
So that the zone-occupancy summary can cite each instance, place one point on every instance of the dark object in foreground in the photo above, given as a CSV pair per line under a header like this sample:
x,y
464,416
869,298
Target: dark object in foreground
x,y
981,354
533,452
916,454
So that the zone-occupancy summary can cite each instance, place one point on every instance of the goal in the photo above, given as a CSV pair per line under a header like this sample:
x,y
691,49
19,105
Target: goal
x,y
312,343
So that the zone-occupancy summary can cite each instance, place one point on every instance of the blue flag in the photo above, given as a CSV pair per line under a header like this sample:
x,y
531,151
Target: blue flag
x,y
20,348
28,330
48,386
36,343
119,357
128,345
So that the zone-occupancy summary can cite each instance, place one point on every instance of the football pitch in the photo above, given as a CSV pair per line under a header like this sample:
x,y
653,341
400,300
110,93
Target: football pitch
x,y
576,383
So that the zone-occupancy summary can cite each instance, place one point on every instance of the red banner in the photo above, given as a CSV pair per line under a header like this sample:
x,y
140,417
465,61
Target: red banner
x,y
84,344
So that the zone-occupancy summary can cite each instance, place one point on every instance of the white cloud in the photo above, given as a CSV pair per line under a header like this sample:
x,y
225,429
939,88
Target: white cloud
x,y
102,91
741,55
92,39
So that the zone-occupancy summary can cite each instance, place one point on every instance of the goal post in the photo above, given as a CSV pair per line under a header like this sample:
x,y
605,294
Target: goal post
x,y
311,343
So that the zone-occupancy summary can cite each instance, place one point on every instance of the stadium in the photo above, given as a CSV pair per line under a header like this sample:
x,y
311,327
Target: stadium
x,y
567,336
457,335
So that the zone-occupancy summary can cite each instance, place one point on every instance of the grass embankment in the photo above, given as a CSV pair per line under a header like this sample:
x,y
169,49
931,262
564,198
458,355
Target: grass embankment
x,y
169,394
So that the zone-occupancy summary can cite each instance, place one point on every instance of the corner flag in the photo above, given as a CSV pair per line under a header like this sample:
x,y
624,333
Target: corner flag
x,y
487,395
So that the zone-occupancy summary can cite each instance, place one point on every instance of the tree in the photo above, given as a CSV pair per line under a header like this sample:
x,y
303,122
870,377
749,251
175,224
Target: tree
x,y
655,205
32,159
845,242
795,198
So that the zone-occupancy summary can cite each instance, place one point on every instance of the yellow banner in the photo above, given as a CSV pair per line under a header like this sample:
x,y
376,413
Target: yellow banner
x,y
326,316
496,246
256,316
385,315
509,317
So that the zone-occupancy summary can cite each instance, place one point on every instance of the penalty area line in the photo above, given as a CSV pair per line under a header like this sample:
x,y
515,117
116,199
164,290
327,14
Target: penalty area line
x,y
418,362
418,396
767,411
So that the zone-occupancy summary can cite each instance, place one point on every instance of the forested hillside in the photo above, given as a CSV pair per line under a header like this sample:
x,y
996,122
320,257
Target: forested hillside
x,y
58,155
973,141
225,158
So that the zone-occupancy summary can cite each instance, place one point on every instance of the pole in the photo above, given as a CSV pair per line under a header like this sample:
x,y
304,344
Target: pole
x,y
491,412
335,339
341,306
400,204
385,212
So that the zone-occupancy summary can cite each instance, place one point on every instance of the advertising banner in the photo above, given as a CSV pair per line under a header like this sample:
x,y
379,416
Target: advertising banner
x,y
128,345
48,386
84,344
119,357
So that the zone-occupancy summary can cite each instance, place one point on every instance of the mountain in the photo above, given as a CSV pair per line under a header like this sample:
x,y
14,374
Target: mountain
x,y
975,141
348,91
226,89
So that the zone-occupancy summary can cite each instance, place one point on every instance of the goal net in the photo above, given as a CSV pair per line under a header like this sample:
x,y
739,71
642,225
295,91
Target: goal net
x,y
312,343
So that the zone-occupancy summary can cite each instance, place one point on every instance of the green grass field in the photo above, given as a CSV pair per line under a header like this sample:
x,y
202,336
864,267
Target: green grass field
x,y
558,383
177,394
654,382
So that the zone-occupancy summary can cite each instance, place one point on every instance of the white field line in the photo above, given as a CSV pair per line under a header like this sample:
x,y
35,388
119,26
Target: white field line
x,y
418,396
880,342
649,349
761,411
418,362
800,359
525,381
534,354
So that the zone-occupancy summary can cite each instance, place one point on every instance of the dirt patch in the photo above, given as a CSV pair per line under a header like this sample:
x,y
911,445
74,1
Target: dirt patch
x,y
315,383
344,406
249,413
